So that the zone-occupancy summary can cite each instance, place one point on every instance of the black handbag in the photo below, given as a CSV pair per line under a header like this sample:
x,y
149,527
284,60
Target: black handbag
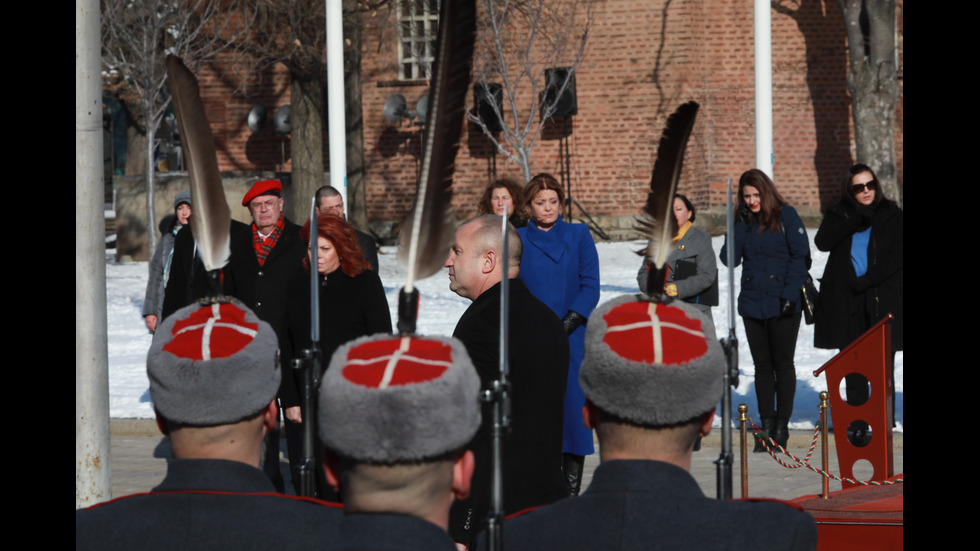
x,y
808,292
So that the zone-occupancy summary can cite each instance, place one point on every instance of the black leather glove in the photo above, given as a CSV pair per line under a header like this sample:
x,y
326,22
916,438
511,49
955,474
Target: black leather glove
x,y
786,308
571,321
742,214
864,216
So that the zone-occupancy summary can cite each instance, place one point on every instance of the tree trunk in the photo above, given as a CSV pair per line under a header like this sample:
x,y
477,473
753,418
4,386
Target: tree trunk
x,y
356,192
306,145
873,84
135,151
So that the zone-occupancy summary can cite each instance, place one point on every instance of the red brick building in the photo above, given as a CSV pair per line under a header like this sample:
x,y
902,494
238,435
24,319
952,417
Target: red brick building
x,y
644,58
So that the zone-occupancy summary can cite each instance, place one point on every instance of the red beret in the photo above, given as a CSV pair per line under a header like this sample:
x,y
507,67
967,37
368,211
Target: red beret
x,y
263,187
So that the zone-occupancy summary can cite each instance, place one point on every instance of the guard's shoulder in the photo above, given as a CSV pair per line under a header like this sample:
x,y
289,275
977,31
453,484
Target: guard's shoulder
x,y
785,522
767,500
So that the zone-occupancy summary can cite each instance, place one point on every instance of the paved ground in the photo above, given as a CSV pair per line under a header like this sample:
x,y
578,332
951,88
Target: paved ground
x,y
140,453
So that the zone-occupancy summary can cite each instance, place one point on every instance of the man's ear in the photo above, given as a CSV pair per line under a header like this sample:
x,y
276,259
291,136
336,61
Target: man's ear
x,y
589,415
706,421
331,468
489,261
162,422
270,416
463,474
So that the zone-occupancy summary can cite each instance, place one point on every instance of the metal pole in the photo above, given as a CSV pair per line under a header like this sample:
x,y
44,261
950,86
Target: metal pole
x,y
743,426
309,366
730,346
93,476
501,401
336,124
824,452
763,86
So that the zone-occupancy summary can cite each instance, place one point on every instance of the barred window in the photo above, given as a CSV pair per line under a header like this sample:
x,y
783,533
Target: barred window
x,y
418,28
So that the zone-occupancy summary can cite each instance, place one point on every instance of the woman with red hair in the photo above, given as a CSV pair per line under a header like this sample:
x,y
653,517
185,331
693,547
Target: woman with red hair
x,y
352,305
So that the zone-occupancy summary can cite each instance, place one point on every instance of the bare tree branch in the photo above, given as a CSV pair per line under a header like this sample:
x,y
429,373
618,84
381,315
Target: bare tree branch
x,y
517,41
137,35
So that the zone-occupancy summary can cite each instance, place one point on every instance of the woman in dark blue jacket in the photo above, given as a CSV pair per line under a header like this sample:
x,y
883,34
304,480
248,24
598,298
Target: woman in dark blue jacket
x,y
772,247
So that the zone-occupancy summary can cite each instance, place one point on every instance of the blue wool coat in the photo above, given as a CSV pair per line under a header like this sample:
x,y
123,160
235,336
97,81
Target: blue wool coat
x,y
773,265
561,268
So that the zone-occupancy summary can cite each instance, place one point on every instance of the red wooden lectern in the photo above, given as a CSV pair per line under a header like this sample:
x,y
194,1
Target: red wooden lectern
x,y
869,356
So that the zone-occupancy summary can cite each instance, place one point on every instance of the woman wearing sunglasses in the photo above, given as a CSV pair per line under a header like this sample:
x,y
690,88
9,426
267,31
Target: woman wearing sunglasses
x,y
863,280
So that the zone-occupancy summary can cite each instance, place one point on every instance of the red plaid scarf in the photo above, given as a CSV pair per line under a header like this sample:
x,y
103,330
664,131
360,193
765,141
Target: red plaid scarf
x,y
264,246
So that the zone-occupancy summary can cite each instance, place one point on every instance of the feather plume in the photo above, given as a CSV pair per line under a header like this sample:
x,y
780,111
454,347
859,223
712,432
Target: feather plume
x,y
429,229
212,217
660,224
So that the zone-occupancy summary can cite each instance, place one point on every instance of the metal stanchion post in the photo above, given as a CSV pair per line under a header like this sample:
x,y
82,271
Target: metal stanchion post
x,y
743,426
825,459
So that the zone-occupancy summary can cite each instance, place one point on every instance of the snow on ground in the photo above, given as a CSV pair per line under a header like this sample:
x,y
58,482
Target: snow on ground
x,y
438,313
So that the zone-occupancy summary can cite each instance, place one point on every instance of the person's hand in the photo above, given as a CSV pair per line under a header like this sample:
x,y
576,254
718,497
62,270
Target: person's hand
x,y
294,414
786,308
864,216
571,321
670,289
742,214
151,323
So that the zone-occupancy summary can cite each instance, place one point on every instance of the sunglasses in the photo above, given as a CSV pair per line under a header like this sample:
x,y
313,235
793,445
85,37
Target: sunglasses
x,y
859,188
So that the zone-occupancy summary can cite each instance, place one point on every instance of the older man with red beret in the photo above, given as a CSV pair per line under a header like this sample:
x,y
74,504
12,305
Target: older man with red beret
x,y
265,255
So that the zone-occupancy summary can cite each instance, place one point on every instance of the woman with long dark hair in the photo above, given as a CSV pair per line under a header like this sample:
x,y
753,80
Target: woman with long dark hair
x,y
864,277
693,271
352,305
771,245
560,266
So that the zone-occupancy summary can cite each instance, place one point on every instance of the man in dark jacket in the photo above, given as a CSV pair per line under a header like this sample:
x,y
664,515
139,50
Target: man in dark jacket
x,y
330,201
538,371
265,256
214,374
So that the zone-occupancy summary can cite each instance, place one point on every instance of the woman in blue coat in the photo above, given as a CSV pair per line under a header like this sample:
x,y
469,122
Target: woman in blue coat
x,y
561,268
772,246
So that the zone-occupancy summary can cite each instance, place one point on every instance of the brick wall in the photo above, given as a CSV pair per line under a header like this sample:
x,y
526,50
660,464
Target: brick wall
x,y
645,58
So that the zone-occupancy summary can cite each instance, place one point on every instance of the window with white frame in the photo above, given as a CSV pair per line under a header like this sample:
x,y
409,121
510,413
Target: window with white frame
x,y
418,26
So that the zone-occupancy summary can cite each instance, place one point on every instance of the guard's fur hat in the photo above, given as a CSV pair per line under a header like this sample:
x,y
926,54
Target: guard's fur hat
x,y
651,363
390,399
213,363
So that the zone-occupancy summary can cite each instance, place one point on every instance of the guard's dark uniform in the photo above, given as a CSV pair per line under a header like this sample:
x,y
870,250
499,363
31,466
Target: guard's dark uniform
x,y
208,504
389,532
652,505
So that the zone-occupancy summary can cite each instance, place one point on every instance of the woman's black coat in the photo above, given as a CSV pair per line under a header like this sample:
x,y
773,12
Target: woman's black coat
x,y
849,305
